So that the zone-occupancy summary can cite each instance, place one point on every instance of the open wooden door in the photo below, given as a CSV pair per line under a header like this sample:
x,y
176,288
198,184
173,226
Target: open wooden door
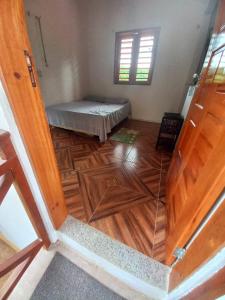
x,y
20,81
209,242
197,173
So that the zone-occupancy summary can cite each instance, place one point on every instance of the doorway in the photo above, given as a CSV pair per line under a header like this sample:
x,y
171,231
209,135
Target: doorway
x,y
114,187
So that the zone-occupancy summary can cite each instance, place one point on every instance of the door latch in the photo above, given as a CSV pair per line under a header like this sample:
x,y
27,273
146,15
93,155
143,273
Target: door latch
x,y
179,253
30,68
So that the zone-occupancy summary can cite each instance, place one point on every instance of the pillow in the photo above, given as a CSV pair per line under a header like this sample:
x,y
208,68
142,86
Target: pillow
x,y
116,100
94,98
106,99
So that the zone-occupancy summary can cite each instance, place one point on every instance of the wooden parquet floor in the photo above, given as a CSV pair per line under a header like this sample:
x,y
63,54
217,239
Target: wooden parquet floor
x,y
117,188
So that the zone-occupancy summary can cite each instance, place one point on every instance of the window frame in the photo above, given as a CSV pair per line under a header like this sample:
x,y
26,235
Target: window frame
x,y
136,34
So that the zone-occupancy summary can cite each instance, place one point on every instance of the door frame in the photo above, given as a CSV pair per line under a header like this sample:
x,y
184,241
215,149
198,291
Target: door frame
x,y
26,102
27,106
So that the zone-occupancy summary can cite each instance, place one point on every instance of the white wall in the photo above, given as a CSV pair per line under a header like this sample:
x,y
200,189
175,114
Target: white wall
x,y
79,36
184,26
14,223
65,79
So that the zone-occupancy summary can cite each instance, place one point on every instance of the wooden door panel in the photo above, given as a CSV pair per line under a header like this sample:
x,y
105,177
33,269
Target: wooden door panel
x,y
219,105
27,106
209,241
178,200
208,138
183,146
173,174
198,180
194,196
196,113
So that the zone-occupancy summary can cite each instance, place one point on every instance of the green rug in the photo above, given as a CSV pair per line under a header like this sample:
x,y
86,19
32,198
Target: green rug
x,y
125,135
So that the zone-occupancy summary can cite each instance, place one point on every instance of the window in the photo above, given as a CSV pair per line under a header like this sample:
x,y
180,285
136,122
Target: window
x,y
135,56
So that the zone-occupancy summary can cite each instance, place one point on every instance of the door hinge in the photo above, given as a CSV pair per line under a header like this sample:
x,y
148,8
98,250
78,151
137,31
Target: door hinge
x,y
179,253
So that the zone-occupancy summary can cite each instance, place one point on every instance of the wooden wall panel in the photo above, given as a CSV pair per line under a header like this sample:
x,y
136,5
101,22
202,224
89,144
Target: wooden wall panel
x,y
27,106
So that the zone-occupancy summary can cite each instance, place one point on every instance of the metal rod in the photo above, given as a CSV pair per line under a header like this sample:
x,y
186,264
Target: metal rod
x,y
42,40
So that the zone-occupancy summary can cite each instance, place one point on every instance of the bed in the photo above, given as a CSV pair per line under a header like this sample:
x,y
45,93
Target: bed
x,y
92,115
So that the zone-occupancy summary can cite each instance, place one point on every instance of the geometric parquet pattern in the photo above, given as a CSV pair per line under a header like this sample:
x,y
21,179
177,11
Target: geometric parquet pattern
x,y
117,188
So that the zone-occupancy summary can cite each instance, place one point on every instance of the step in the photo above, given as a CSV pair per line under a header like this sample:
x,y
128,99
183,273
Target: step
x,y
131,267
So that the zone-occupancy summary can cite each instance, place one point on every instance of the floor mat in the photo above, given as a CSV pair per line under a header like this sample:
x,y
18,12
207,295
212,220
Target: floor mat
x,y
64,280
125,135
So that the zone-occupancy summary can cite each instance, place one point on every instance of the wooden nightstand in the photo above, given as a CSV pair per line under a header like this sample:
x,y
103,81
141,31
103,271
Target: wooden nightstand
x,y
169,131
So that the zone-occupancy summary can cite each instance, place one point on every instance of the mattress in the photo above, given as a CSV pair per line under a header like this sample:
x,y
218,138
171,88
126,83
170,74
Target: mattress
x,y
92,117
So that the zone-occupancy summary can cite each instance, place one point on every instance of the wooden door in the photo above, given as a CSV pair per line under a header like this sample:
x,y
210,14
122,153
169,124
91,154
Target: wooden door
x,y
197,173
21,85
207,244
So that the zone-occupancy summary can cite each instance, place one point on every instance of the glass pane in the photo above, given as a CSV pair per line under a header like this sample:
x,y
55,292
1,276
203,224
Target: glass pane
x,y
220,72
219,40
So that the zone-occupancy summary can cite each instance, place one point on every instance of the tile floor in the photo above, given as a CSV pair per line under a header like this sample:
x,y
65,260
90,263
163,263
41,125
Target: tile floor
x,y
117,188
